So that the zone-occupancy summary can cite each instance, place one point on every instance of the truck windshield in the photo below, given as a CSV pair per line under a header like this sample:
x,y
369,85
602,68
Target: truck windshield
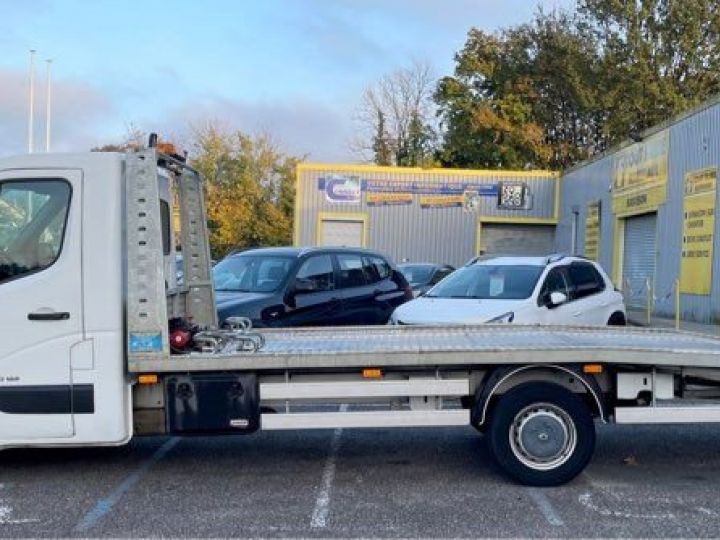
x,y
489,282
251,273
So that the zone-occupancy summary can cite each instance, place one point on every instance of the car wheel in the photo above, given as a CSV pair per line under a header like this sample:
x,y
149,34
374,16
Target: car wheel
x,y
541,434
617,319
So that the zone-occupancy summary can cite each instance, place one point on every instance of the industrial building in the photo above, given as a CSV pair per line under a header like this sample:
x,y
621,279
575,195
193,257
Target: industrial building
x,y
646,212
427,215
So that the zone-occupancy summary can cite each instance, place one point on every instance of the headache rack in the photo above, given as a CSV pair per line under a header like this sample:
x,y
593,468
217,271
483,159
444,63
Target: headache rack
x,y
150,302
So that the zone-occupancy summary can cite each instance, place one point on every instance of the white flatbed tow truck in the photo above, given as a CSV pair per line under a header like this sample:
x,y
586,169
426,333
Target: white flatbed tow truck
x,y
100,342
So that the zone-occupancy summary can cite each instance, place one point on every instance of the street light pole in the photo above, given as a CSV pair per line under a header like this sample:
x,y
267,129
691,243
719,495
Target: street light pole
x,y
31,99
48,100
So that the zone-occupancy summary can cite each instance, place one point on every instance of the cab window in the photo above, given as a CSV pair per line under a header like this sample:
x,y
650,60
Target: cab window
x,y
33,216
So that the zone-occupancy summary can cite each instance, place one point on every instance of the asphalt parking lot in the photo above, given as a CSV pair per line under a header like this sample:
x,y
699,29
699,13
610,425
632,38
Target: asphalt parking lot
x,y
643,481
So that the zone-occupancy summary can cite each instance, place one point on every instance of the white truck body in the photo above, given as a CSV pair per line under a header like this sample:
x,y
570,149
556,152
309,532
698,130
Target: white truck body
x,y
85,358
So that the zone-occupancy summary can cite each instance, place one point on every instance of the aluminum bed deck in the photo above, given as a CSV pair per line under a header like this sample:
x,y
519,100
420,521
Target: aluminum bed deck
x,y
398,346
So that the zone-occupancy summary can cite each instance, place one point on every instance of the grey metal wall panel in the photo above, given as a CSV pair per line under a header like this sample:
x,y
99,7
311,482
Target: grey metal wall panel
x,y
441,235
694,144
580,188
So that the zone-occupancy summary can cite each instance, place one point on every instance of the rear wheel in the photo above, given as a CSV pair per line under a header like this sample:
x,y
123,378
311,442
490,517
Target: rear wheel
x,y
617,319
541,434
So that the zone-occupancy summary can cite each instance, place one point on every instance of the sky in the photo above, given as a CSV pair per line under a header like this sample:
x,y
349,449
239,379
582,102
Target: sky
x,y
292,69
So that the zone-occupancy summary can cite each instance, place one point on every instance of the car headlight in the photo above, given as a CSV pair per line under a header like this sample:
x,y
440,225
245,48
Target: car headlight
x,y
504,318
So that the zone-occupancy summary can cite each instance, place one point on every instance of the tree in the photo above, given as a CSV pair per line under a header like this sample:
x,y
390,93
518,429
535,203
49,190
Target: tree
x,y
135,139
250,189
569,84
659,57
520,98
381,147
396,117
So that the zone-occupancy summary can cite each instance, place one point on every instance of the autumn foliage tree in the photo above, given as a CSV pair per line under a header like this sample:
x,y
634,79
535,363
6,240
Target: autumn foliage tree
x,y
568,84
250,189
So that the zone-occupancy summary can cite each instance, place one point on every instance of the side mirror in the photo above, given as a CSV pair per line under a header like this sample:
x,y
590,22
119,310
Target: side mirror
x,y
556,299
304,286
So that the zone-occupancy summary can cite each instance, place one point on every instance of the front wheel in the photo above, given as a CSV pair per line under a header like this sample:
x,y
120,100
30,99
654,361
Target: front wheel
x,y
541,434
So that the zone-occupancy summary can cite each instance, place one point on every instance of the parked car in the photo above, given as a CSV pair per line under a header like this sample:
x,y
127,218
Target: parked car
x,y
524,290
309,287
423,276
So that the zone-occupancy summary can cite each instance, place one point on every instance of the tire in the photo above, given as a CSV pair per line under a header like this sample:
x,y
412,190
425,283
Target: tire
x,y
541,434
617,319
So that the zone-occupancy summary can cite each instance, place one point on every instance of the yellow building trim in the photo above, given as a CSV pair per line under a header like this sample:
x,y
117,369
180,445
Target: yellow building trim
x,y
342,216
618,252
344,167
556,213
511,220
520,220
298,208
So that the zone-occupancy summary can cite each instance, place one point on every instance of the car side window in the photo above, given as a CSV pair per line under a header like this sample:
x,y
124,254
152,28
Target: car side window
x,y
352,271
381,267
584,280
33,215
318,272
440,274
371,273
554,282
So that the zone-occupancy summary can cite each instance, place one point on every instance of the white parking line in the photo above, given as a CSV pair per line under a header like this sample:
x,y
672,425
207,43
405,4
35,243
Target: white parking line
x,y
545,506
322,503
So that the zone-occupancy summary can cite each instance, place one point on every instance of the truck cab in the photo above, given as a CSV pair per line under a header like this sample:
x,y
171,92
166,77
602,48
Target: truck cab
x,y
62,372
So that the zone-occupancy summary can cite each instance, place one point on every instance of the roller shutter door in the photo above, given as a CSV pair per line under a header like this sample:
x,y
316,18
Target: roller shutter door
x,y
514,239
342,233
639,258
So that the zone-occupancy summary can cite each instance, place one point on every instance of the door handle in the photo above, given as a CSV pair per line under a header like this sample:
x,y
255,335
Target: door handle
x,y
51,316
577,314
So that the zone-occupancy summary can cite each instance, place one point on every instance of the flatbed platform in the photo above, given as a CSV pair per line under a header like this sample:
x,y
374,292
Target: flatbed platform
x,y
423,346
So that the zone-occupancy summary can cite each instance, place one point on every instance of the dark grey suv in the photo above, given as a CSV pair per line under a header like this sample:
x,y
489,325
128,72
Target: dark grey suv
x,y
309,287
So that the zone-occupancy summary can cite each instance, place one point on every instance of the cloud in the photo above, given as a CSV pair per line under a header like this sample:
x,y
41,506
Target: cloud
x,y
79,114
299,126
336,38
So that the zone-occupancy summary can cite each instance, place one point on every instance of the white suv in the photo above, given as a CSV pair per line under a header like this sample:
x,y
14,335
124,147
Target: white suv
x,y
523,290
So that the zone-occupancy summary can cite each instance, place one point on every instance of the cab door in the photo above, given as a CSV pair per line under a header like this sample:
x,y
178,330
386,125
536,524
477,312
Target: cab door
x,y
40,295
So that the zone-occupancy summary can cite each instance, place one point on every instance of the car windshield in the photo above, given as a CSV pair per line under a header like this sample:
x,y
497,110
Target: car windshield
x,y
251,273
417,274
489,282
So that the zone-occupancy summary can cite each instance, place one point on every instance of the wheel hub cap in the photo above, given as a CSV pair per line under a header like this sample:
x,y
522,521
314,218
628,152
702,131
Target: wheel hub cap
x,y
543,436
